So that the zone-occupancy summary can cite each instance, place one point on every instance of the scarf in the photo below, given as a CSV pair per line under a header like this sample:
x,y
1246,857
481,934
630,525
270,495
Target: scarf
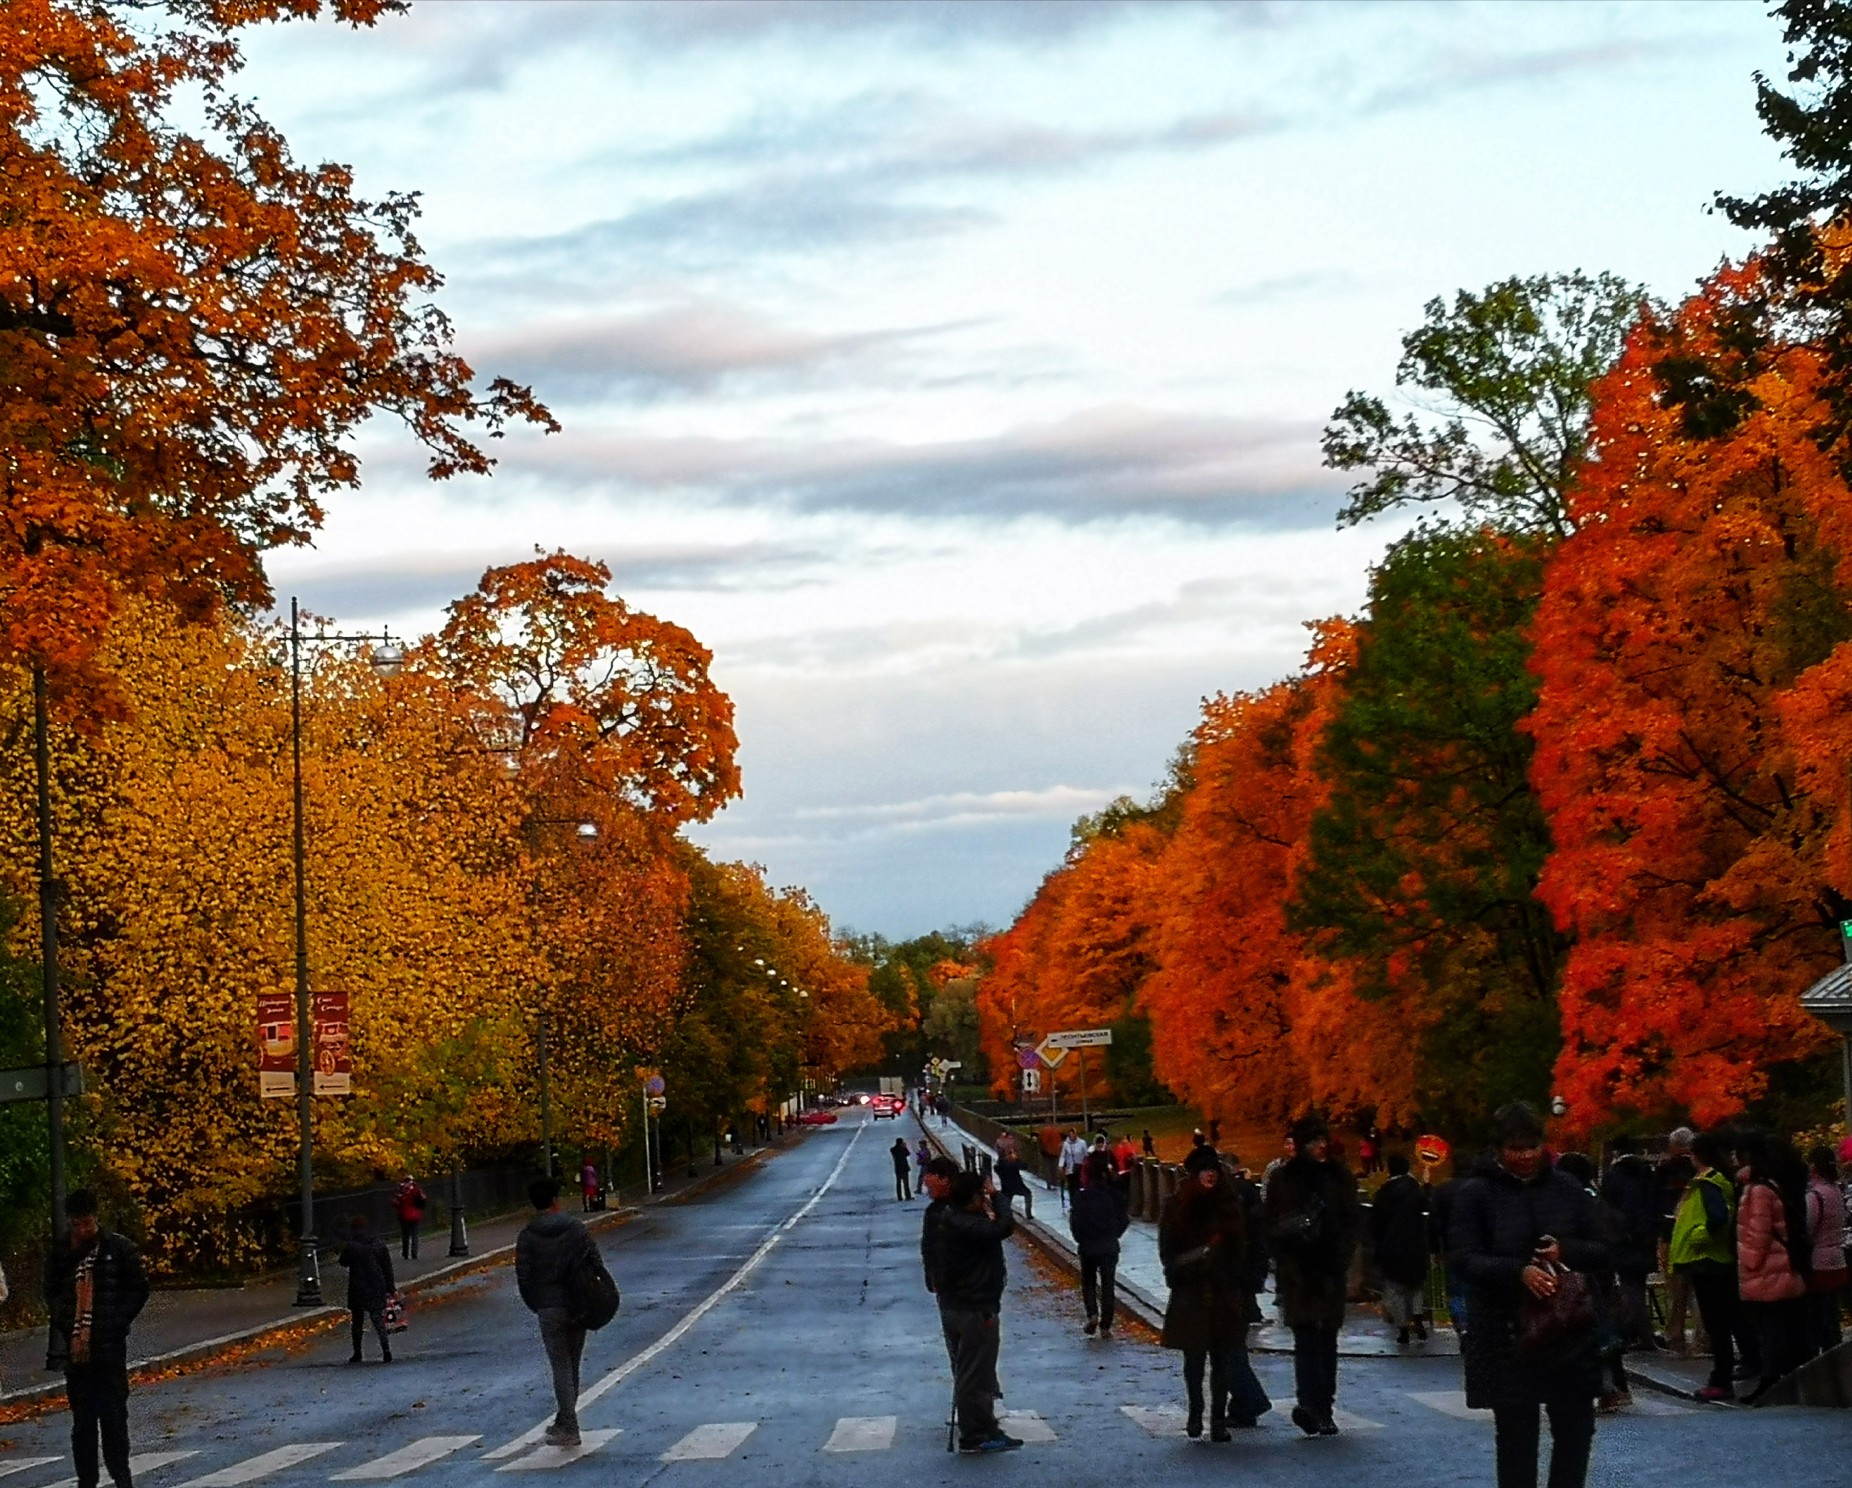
x,y
86,1307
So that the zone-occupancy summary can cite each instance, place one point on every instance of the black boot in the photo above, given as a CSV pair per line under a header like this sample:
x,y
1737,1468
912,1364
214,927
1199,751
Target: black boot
x,y
1218,1420
1194,1426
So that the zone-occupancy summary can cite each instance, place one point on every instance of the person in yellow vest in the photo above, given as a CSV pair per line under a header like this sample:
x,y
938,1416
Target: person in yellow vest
x,y
1704,1252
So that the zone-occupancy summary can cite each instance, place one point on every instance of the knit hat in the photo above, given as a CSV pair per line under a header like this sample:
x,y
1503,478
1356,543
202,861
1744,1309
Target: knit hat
x,y
1309,1129
1201,1159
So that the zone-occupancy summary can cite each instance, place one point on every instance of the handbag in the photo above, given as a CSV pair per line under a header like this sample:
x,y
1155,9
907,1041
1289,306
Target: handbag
x,y
393,1314
1560,1324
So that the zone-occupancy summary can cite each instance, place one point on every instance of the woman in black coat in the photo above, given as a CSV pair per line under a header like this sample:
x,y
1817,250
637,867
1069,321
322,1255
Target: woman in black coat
x,y
1098,1217
1314,1222
1399,1239
369,1284
1202,1245
1513,1222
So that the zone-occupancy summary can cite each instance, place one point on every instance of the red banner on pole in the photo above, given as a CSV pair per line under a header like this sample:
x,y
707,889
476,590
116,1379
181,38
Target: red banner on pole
x,y
276,1045
332,1050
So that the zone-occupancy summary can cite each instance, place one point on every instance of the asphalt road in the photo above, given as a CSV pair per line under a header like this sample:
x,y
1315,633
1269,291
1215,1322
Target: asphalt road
x,y
774,1332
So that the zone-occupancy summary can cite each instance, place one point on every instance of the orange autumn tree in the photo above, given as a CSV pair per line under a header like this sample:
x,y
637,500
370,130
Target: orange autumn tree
x,y
193,324
1692,653
614,725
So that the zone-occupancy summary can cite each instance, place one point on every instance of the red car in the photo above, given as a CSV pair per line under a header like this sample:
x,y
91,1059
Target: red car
x,y
817,1118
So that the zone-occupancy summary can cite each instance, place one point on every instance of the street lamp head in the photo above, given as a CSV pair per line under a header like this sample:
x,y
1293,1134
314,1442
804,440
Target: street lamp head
x,y
388,659
587,831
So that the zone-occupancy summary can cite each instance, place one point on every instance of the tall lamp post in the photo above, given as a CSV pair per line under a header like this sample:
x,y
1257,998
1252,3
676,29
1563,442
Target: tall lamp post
x,y
585,831
48,948
386,660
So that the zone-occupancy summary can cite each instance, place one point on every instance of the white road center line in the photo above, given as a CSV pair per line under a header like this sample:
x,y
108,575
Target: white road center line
x,y
1025,1425
543,1459
261,1466
139,1463
7,1469
701,1309
407,1459
862,1434
711,1442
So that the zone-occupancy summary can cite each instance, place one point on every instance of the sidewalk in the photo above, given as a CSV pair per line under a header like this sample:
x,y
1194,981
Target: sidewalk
x,y
196,1323
1141,1288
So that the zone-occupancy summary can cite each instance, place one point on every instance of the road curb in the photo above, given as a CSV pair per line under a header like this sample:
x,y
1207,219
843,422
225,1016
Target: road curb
x,y
142,1371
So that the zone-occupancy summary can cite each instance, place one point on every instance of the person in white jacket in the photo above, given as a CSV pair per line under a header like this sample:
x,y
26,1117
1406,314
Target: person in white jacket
x,y
1073,1154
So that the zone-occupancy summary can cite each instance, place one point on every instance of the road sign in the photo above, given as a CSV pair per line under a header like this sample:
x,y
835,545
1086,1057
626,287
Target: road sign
x,y
655,1085
1079,1038
658,1103
1031,1080
1050,1055
31,1082
1027,1058
951,1064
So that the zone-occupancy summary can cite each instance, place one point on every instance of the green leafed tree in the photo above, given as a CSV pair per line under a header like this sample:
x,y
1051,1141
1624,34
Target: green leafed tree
x,y
1503,377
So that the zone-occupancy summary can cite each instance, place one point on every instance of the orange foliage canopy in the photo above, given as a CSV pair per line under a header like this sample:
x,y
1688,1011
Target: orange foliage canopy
x,y
192,327
1691,751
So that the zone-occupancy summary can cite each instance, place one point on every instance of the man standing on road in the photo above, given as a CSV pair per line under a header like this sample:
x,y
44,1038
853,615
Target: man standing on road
x,y
544,1256
408,1202
970,1288
94,1289
369,1284
898,1152
1314,1220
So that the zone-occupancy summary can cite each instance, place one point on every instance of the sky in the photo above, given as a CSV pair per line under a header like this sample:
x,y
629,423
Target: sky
x,y
955,372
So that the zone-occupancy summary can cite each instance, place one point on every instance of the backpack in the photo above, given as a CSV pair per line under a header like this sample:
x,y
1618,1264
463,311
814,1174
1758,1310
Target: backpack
x,y
591,1295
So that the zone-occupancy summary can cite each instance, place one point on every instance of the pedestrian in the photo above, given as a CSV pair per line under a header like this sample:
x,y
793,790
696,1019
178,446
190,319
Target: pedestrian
x,y
1604,1288
369,1284
545,1255
935,1182
1150,1147
1010,1182
409,1203
1203,1247
972,1273
588,1185
1286,1155
1124,1154
1631,1190
901,1156
95,1288
1701,1254
1517,1225
922,1154
1097,1219
1440,1214
1314,1222
1772,1255
1366,1153
1073,1154
1399,1238
1674,1173
1826,1232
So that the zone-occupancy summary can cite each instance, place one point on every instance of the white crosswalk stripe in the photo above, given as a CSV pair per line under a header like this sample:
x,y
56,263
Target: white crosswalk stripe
x,y
1025,1425
711,1442
261,1466
1449,1403
420,1453
140,1464
862,1434
1158,1420
20,1464
544,1458
1345,1420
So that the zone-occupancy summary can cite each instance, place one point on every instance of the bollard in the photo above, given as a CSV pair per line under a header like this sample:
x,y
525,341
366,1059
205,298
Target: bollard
x,y
983,1165
970,1154
1168,1174
1142,1190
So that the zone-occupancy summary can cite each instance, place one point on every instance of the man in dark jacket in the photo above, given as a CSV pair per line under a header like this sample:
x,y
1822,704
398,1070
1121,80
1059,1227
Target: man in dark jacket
x,y
1632,1190
94,1290
936,1182
369,1284
971,1275
1098,1218
901,1158
369,1268
1514,1221
1314,1221
545,1254
1399,1235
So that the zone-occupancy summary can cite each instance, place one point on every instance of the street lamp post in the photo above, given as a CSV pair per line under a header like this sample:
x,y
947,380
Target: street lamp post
x,y
386,661
48,948
586,832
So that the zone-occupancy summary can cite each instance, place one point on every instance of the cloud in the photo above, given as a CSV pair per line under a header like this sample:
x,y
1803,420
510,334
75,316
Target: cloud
x,y
963,809
399,584
1099,463
673,350
1281,287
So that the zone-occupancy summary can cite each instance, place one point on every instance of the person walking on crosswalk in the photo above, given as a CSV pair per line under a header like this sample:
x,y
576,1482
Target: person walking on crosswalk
x,y
545,1255
95,1288
1315,1223
971,1277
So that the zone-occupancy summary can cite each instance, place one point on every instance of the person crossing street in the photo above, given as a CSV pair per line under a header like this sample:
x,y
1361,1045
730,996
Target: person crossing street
x,y
545,1255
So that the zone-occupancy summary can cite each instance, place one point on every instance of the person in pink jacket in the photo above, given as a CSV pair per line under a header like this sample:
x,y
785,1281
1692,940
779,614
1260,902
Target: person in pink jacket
x,y
1769,1225
1826,1232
